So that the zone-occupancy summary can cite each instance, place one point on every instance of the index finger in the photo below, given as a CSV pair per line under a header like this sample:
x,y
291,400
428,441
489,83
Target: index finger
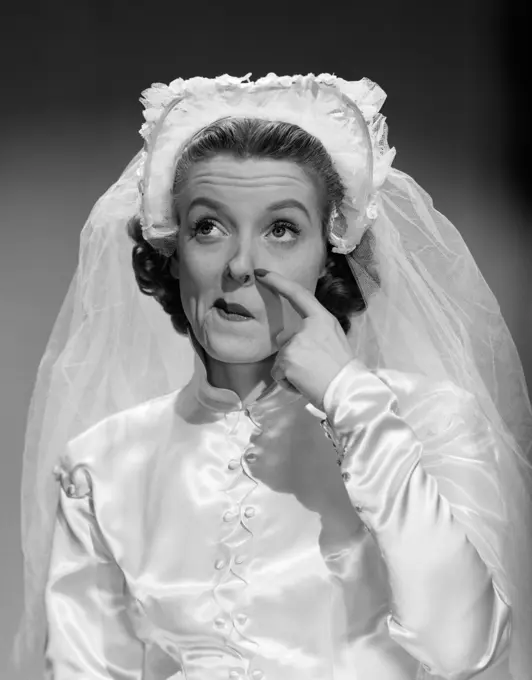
x,y
303,301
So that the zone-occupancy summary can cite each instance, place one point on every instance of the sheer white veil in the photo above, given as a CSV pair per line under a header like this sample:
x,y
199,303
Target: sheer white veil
x,y
432,313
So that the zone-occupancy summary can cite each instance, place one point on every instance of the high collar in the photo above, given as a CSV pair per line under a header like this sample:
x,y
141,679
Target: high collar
x,y
226,400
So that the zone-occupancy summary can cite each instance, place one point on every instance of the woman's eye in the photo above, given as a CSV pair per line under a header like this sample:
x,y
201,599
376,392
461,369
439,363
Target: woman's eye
x,y
286,226
204,227
201,225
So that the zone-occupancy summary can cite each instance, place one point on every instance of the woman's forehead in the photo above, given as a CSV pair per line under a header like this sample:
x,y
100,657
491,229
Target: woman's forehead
x,y
226,169
229,177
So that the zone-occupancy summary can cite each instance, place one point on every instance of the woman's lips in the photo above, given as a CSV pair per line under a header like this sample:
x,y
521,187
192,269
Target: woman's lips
x,y
233,308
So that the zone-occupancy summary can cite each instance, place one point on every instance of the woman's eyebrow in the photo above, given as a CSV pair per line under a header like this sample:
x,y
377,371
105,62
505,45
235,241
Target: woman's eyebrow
x,y
289,203
208,202
278,205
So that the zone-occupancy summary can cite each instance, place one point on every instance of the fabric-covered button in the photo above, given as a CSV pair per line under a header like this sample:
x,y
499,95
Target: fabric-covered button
x,y
76,484
219,623
346,476
233,464
241,619
239,559
219,564
229,516
235,674
257,674
359,508
249,512
251,457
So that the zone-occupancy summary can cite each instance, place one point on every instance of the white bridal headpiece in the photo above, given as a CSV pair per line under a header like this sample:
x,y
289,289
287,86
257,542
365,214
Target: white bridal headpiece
x,y
354,135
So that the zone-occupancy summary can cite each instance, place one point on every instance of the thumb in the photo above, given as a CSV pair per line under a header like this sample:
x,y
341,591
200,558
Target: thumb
x,y
283,337
278,375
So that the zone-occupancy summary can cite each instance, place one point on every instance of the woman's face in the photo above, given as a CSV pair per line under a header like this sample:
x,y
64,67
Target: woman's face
x,y
235,216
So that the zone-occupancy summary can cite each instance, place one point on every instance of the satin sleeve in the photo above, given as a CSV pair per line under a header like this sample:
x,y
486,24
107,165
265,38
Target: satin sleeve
x,y
90,636
447,611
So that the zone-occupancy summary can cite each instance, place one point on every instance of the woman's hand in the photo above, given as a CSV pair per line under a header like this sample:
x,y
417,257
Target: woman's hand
x,y
312,357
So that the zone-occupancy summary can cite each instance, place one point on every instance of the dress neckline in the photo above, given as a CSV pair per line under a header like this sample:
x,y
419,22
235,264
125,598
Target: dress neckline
x,y
226,400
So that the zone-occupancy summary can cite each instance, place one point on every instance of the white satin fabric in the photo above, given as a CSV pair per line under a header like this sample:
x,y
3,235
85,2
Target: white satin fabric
x,y
199,540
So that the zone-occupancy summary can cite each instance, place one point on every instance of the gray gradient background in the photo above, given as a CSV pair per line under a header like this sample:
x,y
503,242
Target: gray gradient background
x,y
71,77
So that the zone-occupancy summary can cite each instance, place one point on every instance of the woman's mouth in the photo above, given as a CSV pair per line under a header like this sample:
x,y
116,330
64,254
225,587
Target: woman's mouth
x,y
229,316
232,310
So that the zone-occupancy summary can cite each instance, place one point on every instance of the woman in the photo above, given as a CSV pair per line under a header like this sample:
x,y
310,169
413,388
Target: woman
x,y
206,528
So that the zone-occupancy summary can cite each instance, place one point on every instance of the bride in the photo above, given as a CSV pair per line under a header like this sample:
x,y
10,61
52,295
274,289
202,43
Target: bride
x,y
284,435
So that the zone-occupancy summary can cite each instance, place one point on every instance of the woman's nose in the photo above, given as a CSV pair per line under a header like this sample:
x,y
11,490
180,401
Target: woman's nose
x,y
242,276
242,265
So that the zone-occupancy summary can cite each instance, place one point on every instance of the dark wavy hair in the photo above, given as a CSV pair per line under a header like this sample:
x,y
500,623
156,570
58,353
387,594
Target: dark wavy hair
x,y
245,138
